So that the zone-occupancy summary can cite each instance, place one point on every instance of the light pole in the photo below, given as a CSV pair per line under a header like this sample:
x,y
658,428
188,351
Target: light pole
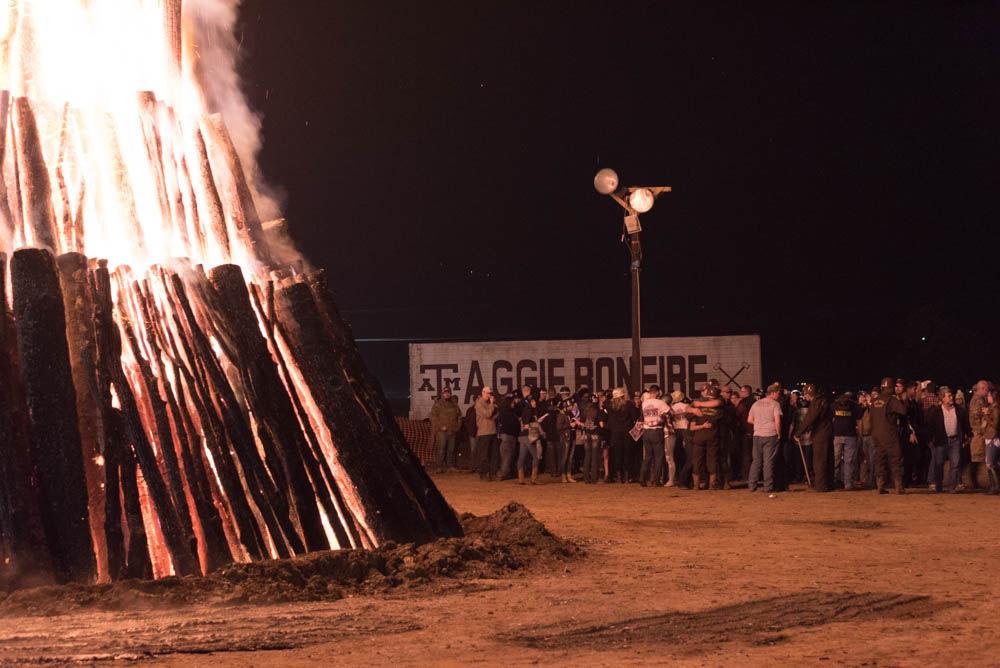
x,y
635,200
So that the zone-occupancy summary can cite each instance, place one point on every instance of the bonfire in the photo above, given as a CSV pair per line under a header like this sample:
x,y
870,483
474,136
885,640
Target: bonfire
x,y
177,388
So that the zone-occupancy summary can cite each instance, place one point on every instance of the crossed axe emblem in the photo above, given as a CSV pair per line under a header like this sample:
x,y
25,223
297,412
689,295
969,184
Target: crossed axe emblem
x,y
732,378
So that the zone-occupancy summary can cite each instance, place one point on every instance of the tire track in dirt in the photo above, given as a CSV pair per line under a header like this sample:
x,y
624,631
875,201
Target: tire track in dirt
x,y
757,622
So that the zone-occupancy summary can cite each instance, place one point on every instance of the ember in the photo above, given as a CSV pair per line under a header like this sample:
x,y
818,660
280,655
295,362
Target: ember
x,y
158,417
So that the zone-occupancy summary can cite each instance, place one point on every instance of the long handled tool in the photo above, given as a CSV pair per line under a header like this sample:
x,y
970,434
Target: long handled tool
x,y
805,467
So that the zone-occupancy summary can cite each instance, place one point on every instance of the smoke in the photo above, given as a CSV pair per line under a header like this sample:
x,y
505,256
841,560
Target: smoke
x,y
212,26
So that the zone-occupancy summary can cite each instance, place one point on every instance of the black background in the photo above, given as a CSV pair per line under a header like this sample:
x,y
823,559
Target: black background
x,y
834,171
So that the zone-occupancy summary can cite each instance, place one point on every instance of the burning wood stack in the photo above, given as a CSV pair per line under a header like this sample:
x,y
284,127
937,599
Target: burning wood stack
x,y
173,396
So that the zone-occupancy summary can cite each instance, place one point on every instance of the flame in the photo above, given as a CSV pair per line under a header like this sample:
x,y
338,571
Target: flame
x,y
112,88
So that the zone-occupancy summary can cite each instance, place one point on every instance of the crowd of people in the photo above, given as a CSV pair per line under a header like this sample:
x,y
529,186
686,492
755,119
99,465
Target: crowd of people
x,y
896,435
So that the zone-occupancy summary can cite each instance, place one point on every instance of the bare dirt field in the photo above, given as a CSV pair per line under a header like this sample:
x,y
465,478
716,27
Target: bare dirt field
x,y
663,576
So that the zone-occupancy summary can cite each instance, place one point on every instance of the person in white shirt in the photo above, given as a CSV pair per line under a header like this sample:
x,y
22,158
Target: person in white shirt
x,y
655,412
946,426
678,412
765,416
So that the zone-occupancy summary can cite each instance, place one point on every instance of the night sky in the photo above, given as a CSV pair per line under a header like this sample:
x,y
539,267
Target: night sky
x,y
834,168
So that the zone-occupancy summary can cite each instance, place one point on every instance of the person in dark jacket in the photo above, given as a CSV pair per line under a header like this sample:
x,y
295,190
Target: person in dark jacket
x,y
547,411
946,431
818,423
622,416
590,419
886,412
470,432
508,429
845,440
746,443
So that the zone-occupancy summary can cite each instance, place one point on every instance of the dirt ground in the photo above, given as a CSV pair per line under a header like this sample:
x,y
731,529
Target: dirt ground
x,y
691,578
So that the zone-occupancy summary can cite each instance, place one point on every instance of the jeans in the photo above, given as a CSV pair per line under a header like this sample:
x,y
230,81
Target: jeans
x,y
508,448
652,456
669,443
765,449
566,445
532,451
444,450
868,446
845,448
953,453
473,462
591,457
488,452
993,453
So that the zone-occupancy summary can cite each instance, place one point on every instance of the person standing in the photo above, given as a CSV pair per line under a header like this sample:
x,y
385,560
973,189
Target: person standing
x,y
981,425
703,419
590,431
566,423
487,445
446,418
818,424
845,440
907,432
946,423
764,417
746,401
530,442
867,442
622,416
992,441
547,416
654,414
508,431
470,431
886,412
678,412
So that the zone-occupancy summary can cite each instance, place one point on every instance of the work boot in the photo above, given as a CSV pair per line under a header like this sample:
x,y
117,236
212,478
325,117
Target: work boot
x,y
534,474
697,481
520,475
713,481
899,489
880,486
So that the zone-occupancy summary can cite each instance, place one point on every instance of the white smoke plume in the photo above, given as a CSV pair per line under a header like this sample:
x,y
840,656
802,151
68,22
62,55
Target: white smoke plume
x,y
212,25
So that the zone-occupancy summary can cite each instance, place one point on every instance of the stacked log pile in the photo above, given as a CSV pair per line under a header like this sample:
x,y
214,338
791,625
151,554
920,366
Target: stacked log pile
x,y
173,419
179,421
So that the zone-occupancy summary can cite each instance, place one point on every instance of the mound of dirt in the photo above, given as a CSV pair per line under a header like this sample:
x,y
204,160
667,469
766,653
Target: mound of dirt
x,y
509,540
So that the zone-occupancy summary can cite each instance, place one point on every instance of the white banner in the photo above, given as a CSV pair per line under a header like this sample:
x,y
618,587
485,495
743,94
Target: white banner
x,y
679,363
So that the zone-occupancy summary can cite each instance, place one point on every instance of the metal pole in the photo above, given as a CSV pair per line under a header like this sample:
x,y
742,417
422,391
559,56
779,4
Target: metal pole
x,y
636,371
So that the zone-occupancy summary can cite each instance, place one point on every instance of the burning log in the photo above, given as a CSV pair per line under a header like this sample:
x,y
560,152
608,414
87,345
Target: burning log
x,y
24,554
277,424
181,555
437,513
346,531
82,339
36,191
172,14
269,500
52,416
237,200
390,511
250,536
212,541
209,205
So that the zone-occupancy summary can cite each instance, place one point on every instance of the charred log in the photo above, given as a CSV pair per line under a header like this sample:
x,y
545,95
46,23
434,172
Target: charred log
x,y
24,554
277,425
388,505
54,432
438,514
